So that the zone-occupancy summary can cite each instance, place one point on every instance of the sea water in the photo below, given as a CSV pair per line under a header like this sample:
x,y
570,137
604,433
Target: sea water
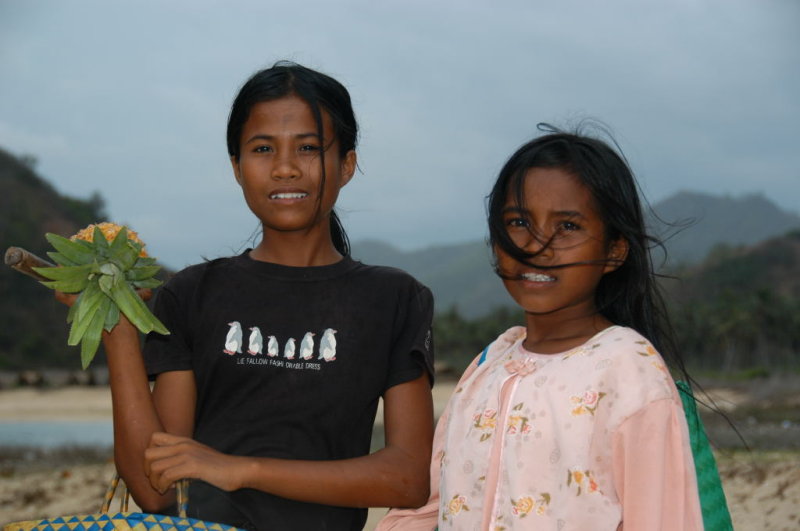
x,y
52,434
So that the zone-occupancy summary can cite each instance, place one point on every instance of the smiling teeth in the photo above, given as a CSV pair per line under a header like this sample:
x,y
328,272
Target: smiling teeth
x,y
538,277
292,195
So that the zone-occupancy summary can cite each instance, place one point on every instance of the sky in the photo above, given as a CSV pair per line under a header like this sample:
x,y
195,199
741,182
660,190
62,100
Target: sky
x,y
130,99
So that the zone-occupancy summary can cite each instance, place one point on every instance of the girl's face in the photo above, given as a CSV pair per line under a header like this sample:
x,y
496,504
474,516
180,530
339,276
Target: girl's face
x,y
280,168
559,221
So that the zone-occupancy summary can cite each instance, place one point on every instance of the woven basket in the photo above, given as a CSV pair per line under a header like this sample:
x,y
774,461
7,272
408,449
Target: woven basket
x,y
123,520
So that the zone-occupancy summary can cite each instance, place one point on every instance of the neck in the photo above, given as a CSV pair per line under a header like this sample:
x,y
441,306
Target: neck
x,y
553,333
296,249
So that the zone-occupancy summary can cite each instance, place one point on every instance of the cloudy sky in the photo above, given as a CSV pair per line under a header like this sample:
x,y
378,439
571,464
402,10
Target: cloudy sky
x,y
131,99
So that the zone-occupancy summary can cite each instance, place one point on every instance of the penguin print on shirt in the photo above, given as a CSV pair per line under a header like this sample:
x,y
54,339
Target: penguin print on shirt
x,y
272,347
327,345
233,341
256,341
307,346
302,349
288,350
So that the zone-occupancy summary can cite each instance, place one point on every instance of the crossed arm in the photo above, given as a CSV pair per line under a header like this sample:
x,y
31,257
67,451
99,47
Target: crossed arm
x,y
153,446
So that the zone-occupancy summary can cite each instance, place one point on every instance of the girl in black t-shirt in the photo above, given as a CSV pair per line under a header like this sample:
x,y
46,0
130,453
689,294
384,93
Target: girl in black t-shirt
x,y
291,138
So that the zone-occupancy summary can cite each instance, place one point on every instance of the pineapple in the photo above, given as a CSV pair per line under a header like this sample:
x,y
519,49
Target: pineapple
x,y
105,264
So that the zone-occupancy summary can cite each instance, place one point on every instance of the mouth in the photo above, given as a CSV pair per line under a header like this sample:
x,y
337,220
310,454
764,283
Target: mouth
x,y
288,195
538,277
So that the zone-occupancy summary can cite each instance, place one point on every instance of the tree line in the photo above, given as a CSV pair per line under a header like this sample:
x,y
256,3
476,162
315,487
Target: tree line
x,y
738,310
729,333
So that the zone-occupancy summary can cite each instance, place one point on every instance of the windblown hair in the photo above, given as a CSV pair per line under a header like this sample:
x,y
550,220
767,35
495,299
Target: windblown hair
x,y
322,93
629,295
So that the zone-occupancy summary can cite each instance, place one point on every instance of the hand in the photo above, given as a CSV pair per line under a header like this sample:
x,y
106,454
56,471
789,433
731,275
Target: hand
x,y
66,298
70,298
124,331
170,458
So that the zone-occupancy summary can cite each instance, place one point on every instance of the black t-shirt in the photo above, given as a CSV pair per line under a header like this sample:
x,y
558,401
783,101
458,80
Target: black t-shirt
x,y
289,363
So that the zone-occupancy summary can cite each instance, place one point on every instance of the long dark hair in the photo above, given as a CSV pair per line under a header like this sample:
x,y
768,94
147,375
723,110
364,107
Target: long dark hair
x,y
629,295
320,92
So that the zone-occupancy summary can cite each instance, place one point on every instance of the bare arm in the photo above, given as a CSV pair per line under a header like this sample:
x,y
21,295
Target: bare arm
x,y
138,414
395,476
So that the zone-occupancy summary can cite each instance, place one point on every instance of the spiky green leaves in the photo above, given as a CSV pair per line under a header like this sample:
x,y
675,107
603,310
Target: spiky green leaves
x,y
106,275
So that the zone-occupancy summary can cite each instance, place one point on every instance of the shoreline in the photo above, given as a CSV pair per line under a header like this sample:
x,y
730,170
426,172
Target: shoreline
x,y
71,403
79,403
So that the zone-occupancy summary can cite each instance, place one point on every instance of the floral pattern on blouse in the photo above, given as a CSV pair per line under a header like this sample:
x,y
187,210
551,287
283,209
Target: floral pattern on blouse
x,y
587,403
456,504
582,480
583,350
648,349
523,506
485,422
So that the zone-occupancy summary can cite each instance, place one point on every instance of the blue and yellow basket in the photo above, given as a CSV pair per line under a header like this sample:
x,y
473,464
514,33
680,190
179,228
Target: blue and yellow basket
x,y
123,520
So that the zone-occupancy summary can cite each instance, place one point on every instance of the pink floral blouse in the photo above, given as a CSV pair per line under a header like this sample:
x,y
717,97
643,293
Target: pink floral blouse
x,y
590,439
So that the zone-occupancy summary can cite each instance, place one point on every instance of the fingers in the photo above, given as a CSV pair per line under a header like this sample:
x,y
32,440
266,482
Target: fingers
x,y
161,438
145,293
169,459
70,298
66,298
165,473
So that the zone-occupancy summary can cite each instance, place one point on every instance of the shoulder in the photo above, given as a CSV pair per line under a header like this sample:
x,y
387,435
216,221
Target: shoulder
x,y
189,278
632,366
506,340
624,345
392,279
500,345
393,275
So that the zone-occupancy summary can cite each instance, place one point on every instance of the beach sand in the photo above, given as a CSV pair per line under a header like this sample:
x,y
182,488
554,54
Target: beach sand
x,y
762,488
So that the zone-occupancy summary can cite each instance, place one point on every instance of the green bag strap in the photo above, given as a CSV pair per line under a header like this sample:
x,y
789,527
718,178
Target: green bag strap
x,y
712,498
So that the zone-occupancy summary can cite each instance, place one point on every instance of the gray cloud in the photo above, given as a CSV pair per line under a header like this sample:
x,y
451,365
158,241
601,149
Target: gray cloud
x,y
131,100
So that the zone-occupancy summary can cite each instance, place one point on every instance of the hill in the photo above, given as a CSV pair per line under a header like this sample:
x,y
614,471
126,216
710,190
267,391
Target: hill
x,y
694,223
459,275
741,307
771,265
34,333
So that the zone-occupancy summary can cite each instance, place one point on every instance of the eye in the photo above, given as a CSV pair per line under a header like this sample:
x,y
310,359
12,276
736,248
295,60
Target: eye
x,y
309,148
262,149
568,226
517,222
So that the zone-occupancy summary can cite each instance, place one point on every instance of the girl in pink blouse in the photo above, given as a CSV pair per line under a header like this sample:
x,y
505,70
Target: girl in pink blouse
x,y
573,421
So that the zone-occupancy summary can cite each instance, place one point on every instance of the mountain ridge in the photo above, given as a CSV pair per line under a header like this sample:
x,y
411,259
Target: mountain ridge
x,y
692,224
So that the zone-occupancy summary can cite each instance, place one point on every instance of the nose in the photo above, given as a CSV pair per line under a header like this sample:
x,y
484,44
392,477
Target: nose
x,y
286,167
538,244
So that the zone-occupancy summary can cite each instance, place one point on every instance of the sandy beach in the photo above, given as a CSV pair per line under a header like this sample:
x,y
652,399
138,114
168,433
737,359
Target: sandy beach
x,y
762,487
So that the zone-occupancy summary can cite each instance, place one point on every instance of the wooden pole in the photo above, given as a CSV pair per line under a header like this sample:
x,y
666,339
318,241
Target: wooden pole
x,y
24,262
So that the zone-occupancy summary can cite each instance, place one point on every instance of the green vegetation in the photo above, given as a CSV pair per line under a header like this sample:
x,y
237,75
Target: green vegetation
x,y
738,313
458,340
33,334
740,309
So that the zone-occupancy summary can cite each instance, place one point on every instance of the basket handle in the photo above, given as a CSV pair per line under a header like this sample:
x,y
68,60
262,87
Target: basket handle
x,y
182,488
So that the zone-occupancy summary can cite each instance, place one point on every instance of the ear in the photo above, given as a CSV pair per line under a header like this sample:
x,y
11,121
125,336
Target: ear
x,y
348,167
236,171
617,253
